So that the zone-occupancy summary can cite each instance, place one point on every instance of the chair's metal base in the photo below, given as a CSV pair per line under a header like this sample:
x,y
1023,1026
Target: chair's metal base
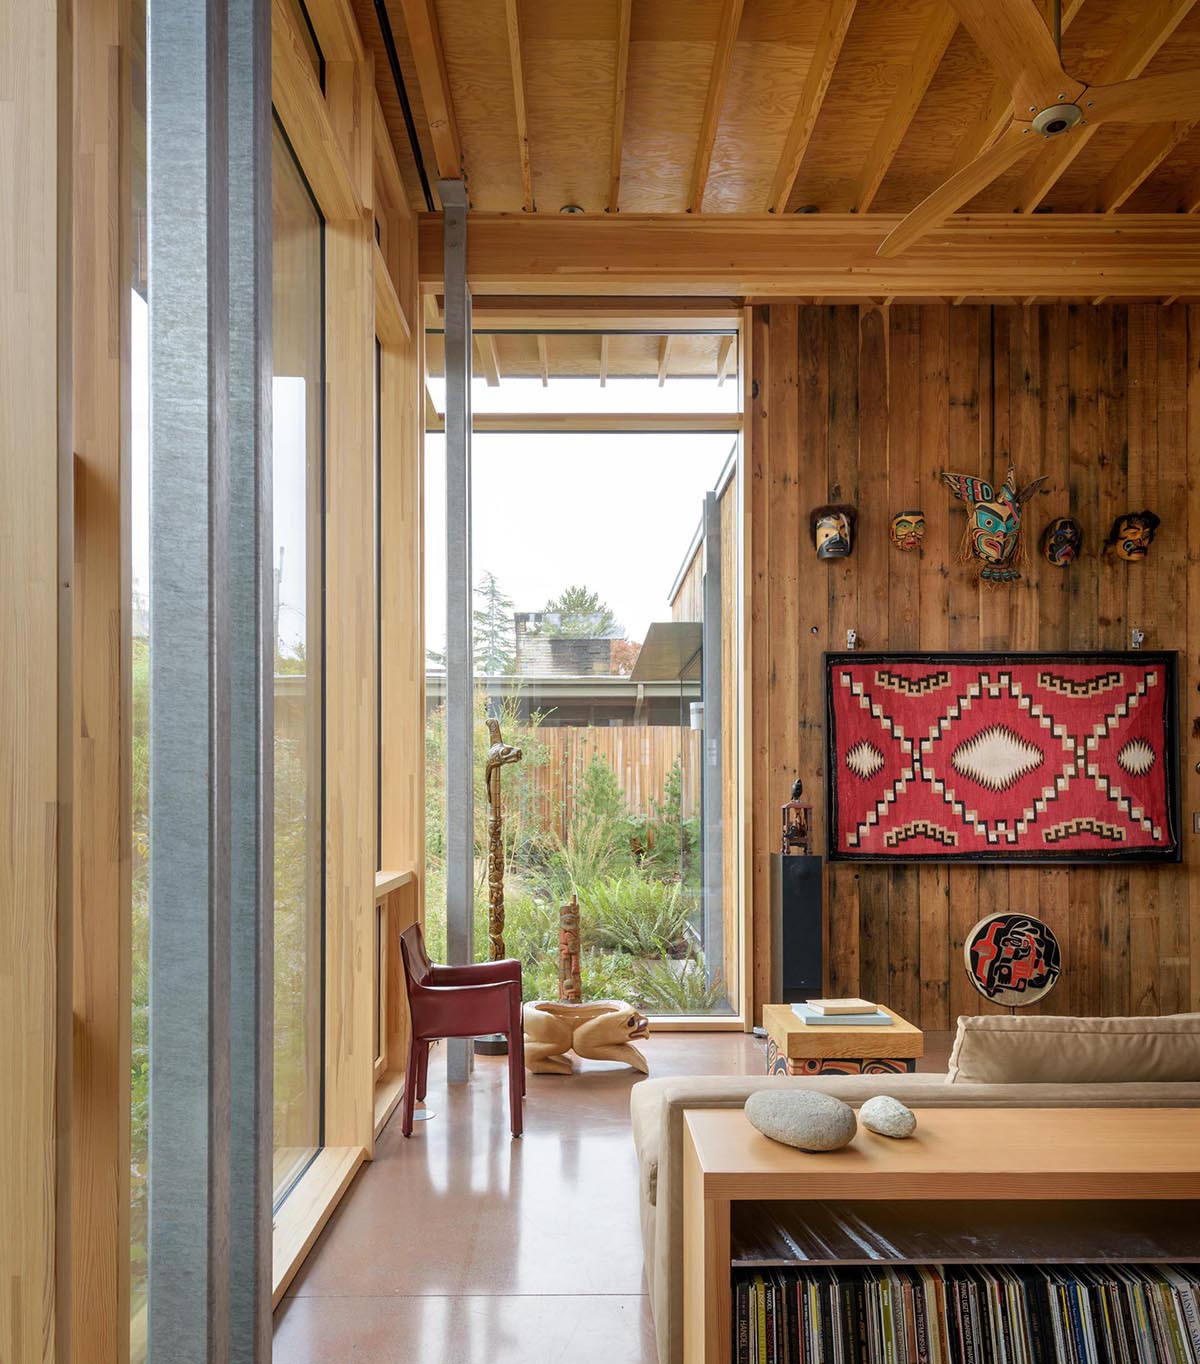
x,y
494,1044
423,1114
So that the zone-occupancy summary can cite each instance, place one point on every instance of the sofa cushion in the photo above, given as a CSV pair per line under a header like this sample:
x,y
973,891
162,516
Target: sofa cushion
x,y
1000,1049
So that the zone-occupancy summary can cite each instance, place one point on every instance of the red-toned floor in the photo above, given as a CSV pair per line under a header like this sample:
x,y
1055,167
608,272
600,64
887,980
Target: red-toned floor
x,y
462,1246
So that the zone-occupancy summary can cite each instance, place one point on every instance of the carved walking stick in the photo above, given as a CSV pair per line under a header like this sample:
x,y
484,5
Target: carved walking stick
x,y
499,755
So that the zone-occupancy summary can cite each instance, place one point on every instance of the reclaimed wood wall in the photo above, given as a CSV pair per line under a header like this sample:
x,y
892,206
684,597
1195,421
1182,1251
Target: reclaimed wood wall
x,y
868,405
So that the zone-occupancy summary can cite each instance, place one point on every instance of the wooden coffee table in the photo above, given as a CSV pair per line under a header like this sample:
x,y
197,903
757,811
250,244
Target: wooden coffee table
x,y
798,1048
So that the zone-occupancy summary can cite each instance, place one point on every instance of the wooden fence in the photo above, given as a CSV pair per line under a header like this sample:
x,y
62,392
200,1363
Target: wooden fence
x,y
642,756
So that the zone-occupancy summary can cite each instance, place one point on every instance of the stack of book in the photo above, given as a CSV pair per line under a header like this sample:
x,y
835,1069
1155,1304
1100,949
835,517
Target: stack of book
x,y
840,1011
981,1314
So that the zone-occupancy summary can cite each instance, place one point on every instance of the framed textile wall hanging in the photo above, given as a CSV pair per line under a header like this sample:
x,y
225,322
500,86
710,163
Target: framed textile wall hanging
x,y
1066,757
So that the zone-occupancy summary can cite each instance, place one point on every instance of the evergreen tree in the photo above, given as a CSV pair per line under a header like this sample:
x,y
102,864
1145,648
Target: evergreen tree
x,y
494,637
580,614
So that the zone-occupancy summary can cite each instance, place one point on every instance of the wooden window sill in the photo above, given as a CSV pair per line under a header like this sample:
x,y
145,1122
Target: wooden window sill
x,y
306,1209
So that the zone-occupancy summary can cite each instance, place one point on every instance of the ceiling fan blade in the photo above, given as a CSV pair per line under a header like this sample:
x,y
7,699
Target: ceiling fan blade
x,y
1010,146
1173,98
1013,36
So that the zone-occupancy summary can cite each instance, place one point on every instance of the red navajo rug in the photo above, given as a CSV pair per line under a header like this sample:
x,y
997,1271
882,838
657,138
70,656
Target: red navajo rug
x,y
986,757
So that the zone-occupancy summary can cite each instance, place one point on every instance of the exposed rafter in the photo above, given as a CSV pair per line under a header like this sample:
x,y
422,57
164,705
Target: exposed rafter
x,y
432,317
513,24
1190,203
724,352
1141,160
910,91
544,360
420,19
665,346
1159,19
603,361
433,418
731,17
994,117
491,361
620,85
816,82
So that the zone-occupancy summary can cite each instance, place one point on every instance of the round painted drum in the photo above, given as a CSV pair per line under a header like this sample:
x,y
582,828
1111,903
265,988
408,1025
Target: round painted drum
x,y
1012,959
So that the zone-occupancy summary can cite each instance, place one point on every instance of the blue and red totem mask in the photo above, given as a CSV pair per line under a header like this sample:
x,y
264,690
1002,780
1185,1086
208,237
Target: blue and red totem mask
x,y
993,535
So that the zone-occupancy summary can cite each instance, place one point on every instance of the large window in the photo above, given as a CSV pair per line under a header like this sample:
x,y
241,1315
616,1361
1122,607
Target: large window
x,y
298,456
605,629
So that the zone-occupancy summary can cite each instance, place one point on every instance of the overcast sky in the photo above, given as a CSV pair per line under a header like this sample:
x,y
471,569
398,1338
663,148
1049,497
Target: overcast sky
x,y
614,512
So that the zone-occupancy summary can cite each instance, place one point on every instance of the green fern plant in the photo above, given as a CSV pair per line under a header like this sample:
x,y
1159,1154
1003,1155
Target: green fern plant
x,y
664,987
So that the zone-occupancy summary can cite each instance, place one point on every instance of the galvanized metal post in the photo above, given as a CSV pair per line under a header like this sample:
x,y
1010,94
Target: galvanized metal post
x,y
460,682
210,958
711,775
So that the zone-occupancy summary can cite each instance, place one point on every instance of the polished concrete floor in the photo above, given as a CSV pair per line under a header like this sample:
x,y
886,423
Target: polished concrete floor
x,y
464,1246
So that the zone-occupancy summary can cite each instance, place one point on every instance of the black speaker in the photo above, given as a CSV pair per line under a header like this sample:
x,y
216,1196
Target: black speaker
x,y
795,929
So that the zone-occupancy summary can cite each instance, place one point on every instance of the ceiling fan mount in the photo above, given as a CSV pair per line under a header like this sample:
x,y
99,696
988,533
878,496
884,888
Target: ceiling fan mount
x,y
1056,119
1013,35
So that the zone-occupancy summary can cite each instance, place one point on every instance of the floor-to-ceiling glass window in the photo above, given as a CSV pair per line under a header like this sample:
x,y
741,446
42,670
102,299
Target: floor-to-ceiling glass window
x,y
298,459
605,567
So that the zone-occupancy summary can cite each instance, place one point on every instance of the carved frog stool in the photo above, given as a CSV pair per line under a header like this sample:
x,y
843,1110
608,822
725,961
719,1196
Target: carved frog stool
x,y
602,1030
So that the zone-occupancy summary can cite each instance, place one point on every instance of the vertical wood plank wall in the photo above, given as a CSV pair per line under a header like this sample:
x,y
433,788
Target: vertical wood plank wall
x,y
868,406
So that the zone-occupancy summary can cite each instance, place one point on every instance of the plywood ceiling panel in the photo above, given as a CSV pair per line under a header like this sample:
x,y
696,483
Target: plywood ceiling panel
x,y
569,52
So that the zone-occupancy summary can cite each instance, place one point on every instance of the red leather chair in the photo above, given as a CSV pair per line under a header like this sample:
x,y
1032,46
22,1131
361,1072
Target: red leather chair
x,y
459,1001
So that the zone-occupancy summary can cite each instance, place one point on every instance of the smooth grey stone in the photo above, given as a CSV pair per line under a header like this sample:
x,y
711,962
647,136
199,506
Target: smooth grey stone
x,y
888,1116
804,1118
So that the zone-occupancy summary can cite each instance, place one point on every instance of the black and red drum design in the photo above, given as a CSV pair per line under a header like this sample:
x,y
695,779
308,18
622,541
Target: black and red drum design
x,y
1012,959
779,1064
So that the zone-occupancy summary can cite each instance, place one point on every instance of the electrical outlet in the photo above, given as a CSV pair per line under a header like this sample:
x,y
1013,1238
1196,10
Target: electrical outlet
x,y
1196,822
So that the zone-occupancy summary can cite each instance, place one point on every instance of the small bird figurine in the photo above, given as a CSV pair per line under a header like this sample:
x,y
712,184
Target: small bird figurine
x,y
797,789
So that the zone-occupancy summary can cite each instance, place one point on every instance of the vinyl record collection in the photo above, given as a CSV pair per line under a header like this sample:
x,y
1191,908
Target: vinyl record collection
x,y
980,1314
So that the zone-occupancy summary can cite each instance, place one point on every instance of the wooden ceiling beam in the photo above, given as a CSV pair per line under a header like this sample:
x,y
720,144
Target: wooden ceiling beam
x,y
491,360
724,352
303,111
816,82
828,255
513,23
731,17
665,346
620,85
336,28
603,361
391,321
633,316
1190,202
1138,164
1159,19
910,91
425,40
995,115
544,360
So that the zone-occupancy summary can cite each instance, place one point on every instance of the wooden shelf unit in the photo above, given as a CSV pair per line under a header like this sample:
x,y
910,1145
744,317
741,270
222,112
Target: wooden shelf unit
x,y
1042,1157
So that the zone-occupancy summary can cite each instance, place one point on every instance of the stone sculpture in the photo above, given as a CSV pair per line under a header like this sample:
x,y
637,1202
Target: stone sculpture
x,y
499,755
570,988
888,1117
808,1120
992,538
603,1030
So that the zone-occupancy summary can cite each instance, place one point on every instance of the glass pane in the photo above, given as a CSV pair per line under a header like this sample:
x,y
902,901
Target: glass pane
x,y
600,582
298,451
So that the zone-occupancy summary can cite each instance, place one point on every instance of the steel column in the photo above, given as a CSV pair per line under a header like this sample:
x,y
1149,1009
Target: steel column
x,y
711,775
210,1125
460,683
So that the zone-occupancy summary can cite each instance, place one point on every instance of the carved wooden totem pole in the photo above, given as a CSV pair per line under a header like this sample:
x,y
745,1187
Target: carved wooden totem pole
x,y
570,988
499,755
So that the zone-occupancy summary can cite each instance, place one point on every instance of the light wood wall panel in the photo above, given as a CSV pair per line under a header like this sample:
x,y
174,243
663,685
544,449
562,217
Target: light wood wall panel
x,y
35,944
868,405
101,994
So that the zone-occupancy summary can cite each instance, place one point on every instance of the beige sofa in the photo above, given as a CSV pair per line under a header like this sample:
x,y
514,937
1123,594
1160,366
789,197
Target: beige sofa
x,y
997,1061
